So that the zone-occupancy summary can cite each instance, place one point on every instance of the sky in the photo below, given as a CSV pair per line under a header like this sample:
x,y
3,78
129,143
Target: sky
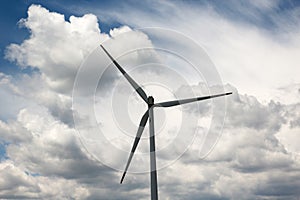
x,y
68,118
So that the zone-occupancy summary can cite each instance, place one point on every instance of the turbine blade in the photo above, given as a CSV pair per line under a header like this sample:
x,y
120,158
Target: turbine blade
x,y
137,88
184,101
136,141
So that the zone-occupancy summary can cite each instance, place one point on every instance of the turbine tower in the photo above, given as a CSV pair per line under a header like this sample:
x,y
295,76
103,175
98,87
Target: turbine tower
x,y
149,100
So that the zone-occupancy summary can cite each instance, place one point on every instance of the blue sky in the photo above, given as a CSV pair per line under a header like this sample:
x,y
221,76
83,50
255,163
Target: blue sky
x,y
255,48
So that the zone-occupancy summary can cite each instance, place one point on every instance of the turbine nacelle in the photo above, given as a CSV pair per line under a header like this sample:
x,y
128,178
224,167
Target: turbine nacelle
x,y
150,101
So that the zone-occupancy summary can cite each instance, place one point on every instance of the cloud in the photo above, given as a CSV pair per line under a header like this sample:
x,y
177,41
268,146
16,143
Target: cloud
x,y
56,47
256,57
10,94
17,184
247,111
256,157
41,137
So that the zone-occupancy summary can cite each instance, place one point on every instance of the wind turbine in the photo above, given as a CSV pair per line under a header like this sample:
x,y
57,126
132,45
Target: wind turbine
x,y
149,100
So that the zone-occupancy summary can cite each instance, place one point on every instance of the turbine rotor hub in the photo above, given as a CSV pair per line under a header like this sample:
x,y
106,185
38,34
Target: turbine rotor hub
x,y
150,100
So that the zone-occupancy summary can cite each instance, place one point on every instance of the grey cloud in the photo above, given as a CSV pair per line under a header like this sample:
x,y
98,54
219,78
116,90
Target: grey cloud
x,y
254,160
16,184
10,132
247,111
279,185
293,115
